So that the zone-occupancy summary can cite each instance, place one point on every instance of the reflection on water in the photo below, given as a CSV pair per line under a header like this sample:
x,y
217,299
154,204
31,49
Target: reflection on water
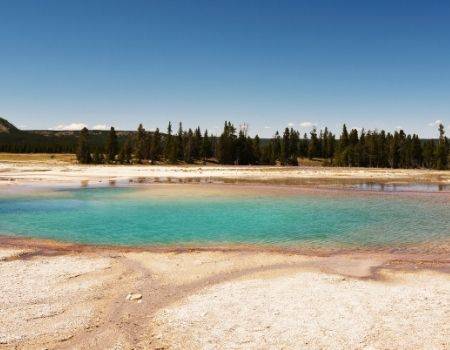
x,y
414,187
335,183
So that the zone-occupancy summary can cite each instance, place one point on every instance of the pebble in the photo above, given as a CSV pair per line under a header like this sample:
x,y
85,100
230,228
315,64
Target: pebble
x,y
133,296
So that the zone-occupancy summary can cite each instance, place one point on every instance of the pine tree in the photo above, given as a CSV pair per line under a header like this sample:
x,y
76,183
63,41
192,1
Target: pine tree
x,y
168,142
170,148
294,141
257,149
313,147
394,147
155,147
382,157
179,142
352,148
403,152
125,152
416,150
206,149
324,142
140,144
285,144
112,146
320,144
241,152
406,152
303,146
442,150
267,154
363,152
83,149
276,147
173,152
189,147
226,147
197,144
428,154
343,147
331,142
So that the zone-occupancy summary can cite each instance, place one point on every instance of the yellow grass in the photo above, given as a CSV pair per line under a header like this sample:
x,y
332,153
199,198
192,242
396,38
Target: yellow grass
x,y
311,162
38,157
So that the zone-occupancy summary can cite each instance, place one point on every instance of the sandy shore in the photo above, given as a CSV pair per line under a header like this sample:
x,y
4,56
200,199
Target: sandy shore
x,y
41,172
65,296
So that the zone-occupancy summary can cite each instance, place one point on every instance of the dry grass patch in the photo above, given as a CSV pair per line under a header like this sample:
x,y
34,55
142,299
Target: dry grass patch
x,y
38,157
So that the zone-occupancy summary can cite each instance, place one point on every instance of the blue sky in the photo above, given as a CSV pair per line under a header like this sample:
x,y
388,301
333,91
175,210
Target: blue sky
x,y
372,64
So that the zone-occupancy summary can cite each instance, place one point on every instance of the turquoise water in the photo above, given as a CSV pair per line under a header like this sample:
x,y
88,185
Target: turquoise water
x,y
132,216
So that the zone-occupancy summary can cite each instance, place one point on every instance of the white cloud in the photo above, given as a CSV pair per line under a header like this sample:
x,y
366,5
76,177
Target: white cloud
x,y
72,126
306,124
399,127
267,127
79,126
290,125
100,127
435,123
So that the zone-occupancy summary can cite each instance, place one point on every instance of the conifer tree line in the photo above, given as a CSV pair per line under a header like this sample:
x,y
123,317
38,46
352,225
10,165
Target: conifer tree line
x,y
352,148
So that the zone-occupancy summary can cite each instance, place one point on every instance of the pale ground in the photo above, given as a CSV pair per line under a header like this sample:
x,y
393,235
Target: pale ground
x,y
313,311
57,172
38,296
75,297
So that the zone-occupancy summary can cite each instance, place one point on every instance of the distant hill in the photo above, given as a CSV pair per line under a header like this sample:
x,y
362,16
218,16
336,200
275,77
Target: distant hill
x,y
15,140
7,127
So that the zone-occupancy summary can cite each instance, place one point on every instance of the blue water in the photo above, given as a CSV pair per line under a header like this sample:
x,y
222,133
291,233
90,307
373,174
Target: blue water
x,y
132,216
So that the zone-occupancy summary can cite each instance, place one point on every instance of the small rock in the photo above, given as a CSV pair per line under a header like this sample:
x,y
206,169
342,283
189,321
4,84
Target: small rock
x,y
133,296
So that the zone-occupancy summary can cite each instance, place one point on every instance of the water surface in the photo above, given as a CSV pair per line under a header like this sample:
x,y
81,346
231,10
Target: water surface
x,y
186,214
